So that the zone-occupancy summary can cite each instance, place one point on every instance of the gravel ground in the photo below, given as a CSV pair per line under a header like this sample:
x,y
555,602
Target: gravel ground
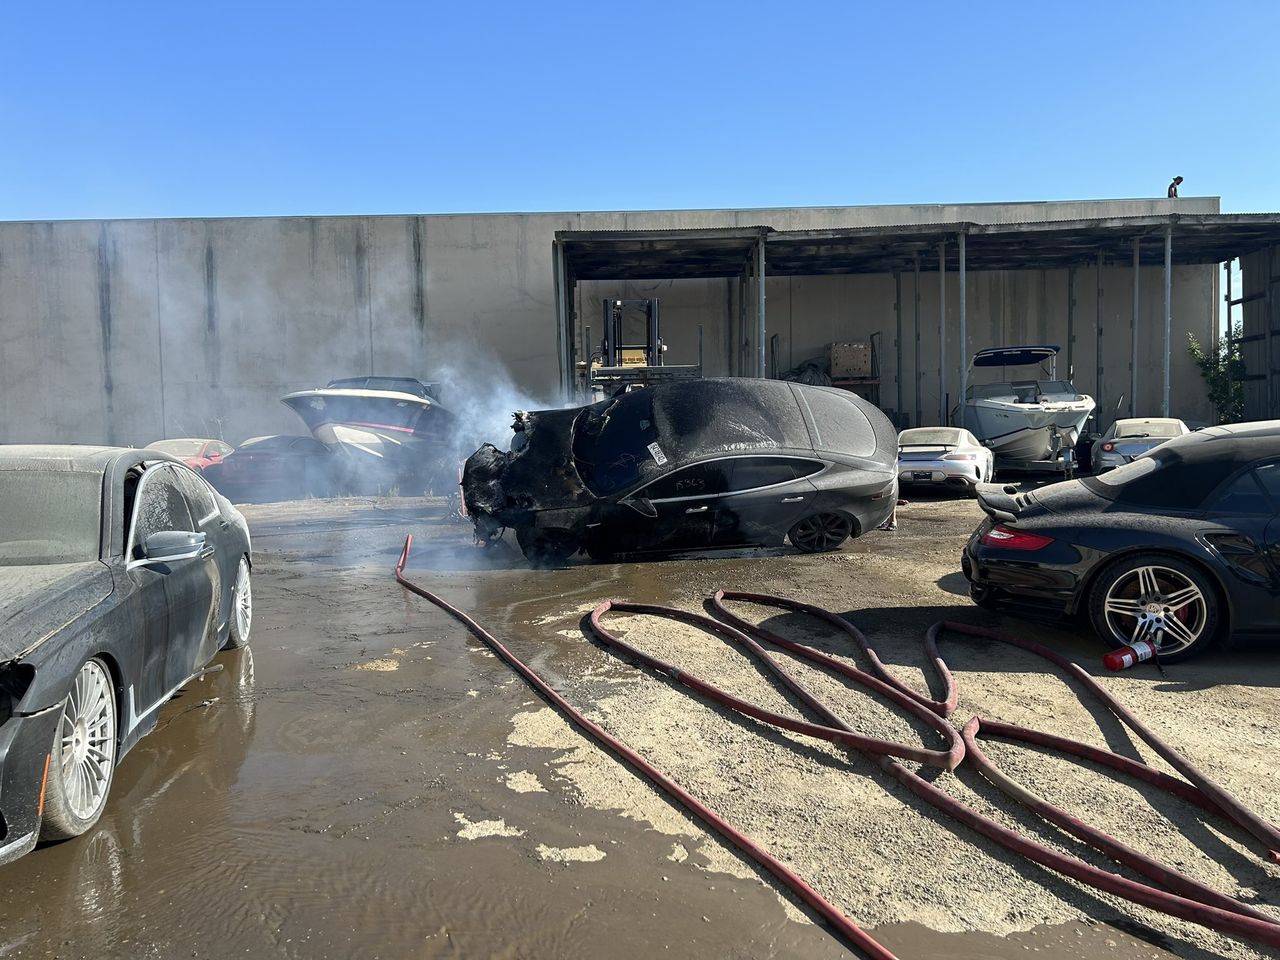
x,y
872,848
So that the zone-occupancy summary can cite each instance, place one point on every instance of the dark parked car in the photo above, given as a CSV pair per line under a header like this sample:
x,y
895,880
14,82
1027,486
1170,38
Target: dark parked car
x,y
122,574
1181,547
689,465
280,467
195,453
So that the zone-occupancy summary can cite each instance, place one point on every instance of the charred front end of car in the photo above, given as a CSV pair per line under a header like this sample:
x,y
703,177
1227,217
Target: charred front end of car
x,y
532,488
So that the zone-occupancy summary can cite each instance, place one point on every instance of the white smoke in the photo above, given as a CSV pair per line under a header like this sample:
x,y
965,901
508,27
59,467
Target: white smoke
x,y
478,389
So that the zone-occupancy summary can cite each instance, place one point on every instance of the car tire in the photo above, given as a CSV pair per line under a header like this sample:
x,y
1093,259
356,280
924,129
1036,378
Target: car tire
x,y
1133,598
547,548
241,616
820,532
83,755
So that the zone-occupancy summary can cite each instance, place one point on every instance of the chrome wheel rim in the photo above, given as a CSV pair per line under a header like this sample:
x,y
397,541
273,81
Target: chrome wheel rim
x,y
88,739
1157,604
243,600
824,531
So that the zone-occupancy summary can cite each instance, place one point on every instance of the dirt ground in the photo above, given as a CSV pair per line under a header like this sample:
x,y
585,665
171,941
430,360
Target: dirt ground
x,y
369,781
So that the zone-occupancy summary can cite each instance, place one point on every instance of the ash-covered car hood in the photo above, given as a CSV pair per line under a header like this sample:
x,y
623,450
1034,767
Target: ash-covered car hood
x,y
38,600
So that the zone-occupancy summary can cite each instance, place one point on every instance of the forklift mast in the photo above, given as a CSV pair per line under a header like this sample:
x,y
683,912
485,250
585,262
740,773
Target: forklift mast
x,y
616,350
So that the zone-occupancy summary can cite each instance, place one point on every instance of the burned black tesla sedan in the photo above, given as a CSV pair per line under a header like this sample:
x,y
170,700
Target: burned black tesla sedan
x,y
122,574
1180,547
699,464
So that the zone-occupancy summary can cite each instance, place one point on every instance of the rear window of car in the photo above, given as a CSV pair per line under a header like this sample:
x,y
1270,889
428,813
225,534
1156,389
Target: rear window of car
x,y
1163,478
839,424
929,437
49,516
1140,431
178,448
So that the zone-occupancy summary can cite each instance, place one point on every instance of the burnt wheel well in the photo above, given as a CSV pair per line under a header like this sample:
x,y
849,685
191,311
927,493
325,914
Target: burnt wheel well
x,y
1083,591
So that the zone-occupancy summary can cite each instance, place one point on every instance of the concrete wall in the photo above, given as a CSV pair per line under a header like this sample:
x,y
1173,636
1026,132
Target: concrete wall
x,y
129,331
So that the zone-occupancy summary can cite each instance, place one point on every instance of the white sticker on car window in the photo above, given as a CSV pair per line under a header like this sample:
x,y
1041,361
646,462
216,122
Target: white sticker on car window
x,y
659,457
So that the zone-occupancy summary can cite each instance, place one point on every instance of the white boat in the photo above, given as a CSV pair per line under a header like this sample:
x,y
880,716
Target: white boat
x,y
1025,421
391,429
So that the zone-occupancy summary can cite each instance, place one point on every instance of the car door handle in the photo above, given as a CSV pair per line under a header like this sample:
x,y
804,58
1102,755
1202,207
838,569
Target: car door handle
x,y
792,499
206,553
701,509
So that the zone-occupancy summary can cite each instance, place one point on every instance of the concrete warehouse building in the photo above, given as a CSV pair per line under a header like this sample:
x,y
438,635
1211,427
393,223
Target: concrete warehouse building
x,y
127,331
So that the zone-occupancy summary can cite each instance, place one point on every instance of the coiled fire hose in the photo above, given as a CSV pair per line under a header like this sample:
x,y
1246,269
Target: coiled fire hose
x,y
1189,900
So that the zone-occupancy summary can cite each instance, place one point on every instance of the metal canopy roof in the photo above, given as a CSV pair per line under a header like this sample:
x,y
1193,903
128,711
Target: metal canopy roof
x,y
683,254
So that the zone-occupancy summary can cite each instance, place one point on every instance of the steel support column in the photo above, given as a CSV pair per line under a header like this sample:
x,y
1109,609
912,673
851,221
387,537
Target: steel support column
x,y
761,370
1231,347
916,367
563,333
942,333
897,341
1168,314
1071,323
1133,334
1098,372
964,333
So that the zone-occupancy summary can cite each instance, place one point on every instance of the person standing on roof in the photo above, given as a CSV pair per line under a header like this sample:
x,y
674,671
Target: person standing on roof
x,y
1173,188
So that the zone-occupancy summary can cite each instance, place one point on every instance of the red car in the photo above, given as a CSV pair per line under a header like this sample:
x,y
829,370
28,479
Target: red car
x,y
196,454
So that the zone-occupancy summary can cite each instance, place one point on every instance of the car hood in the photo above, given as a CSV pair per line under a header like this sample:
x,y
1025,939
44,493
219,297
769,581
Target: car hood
x,y
37,601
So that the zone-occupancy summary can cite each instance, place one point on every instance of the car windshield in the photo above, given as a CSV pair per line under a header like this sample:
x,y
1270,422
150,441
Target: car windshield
x,y
1141,431
178,448
929,436
611,441
49,516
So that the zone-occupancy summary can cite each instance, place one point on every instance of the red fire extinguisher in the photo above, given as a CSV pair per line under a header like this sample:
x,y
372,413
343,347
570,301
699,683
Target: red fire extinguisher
x,y
1126,657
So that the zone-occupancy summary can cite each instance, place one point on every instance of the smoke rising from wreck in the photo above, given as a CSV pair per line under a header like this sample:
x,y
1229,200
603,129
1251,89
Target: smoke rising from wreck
x,y
481,394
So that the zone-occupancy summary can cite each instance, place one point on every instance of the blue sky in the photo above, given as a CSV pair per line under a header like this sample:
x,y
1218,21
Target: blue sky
x,y
227,109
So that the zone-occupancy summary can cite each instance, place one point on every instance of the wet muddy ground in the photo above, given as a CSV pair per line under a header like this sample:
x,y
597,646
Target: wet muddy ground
x,y
368,781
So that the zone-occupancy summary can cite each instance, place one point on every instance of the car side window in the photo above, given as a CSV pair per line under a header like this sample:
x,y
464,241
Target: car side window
x,y
707,479
1269,477
1243,495
752,472
161,505
199,496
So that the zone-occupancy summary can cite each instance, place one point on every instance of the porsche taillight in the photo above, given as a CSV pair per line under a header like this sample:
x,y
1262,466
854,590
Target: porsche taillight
x,y
1007,538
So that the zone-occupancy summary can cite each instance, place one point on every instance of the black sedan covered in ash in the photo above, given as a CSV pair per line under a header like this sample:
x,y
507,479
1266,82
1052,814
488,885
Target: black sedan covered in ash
x,y
1181,547
122,574
700,464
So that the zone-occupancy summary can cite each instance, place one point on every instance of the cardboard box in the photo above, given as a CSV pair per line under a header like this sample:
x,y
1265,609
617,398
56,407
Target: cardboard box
x,y
850,360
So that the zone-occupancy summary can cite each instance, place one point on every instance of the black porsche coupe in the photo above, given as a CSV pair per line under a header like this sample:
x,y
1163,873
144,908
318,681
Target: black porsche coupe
x,y
1180,547
122,574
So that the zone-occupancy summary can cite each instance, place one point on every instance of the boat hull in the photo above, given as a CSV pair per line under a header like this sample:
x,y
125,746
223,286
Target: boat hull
x,y
1027,431
387,438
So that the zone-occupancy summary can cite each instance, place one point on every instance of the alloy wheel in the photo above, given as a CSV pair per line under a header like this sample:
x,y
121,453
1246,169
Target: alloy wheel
x,y
243,599
88,740
1157,604
820,532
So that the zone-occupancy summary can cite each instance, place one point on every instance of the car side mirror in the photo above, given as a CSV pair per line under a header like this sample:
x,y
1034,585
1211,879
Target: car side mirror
x,y
642,506
214,456
168,546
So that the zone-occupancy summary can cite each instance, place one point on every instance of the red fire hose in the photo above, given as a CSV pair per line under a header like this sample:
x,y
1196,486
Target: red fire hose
x,y
842,924
1189,899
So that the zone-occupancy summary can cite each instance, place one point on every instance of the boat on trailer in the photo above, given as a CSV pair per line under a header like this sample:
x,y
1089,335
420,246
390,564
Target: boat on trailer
x,y
1029,423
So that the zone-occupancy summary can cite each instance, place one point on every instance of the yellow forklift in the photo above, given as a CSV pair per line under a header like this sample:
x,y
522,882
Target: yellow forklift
x,y
632,353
